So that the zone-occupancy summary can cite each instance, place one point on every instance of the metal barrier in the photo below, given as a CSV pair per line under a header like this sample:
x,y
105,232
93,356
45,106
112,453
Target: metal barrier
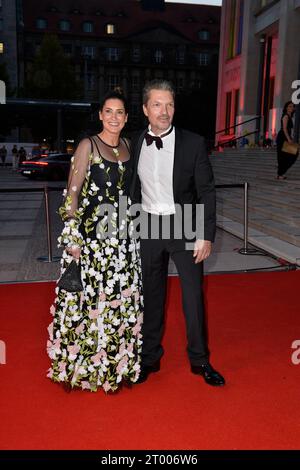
x,y
45,189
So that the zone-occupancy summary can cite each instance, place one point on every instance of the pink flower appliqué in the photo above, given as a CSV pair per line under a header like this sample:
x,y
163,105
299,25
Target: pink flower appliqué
x,y
73,351
50,330
52,310
85,385
123,362
121,330
127,292
102,296
79,329
106,386
115,303
61,366
93,314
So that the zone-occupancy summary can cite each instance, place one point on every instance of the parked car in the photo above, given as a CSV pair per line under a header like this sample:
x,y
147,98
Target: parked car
x,y
52,166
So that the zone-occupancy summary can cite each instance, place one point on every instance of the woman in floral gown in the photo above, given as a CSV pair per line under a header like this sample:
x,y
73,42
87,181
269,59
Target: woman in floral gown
x,y
95,340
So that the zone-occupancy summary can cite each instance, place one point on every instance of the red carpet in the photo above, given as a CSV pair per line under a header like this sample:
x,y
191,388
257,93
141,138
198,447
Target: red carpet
x,y
253,320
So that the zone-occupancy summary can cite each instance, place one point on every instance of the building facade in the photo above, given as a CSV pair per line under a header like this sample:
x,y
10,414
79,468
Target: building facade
x,y
123,43
10,23
258,64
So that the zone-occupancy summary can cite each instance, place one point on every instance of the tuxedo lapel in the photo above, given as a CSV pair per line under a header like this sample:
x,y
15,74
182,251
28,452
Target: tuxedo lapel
x,y
178,158
136,157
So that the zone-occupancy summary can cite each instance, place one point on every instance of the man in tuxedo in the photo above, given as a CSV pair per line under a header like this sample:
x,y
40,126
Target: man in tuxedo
x,y
171,169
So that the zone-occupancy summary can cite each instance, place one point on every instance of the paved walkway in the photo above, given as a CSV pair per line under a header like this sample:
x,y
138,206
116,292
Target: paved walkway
x,y
23,236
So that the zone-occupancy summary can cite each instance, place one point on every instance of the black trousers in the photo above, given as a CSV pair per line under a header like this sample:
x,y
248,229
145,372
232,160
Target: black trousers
x,y
155,258
284,160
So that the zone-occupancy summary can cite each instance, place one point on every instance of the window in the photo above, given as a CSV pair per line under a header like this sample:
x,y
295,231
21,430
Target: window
x,y
87,27
1,24
135,83
64,25
110,28
235,28
204,35
228,112
1,47
236,104
41,23
203,58
180,56
112,54
180,84
113,81
67,48
136,54
91,81
88,51
158,56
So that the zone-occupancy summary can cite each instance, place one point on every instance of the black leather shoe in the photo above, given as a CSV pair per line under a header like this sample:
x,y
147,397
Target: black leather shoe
x,y
146,370
210,375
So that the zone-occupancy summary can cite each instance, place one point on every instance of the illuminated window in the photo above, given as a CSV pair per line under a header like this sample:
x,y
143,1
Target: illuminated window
x,y
1,47
110,29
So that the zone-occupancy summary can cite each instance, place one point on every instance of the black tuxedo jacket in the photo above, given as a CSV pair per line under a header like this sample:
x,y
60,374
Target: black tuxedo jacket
x,y
193,181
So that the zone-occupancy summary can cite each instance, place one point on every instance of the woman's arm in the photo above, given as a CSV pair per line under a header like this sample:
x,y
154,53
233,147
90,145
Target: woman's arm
x,y
69,211
285,120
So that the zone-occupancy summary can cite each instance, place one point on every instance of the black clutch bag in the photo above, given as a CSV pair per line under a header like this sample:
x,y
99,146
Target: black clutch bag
x,y
71,278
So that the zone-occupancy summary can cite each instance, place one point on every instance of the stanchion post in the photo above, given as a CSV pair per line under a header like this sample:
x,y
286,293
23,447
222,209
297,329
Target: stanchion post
x,y
245,217
245,250
49,258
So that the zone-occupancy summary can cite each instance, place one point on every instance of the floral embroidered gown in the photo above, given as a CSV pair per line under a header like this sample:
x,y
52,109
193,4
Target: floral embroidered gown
x,y
95,338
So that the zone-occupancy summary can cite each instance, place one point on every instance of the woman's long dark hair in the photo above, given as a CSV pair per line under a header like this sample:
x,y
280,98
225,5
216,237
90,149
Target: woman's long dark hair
x,y
285,107
115,94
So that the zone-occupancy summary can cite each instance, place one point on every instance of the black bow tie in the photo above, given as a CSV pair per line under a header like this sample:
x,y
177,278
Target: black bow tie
x,y
155,138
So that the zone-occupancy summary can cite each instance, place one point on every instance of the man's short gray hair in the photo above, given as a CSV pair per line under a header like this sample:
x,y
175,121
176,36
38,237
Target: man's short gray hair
x,y
157,84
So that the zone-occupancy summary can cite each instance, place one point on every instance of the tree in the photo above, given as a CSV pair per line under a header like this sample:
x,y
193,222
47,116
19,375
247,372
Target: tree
x,y
51,75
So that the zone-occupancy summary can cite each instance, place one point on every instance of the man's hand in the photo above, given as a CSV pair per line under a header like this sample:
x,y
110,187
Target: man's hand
x,y
202,250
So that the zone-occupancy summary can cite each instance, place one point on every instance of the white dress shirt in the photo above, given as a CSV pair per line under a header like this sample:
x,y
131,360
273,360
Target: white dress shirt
x,y
155,170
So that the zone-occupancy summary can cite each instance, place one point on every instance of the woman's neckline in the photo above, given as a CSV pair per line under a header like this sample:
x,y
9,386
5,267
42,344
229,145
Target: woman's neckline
x,y
111,161
108,145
